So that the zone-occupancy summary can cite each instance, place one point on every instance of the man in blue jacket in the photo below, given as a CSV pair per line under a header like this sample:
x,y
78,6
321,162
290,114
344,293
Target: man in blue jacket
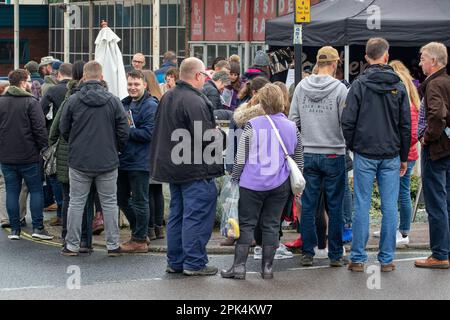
x,y
133,179
169,61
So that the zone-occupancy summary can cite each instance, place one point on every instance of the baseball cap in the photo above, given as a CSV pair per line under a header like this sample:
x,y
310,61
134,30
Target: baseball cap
x,y
56,64
46,60
32,66
327,54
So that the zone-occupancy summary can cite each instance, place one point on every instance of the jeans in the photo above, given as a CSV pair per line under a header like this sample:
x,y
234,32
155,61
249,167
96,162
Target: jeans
x,y
57,191
329,170
31,173
404,200
156,205
80,187
190,223
263,208
436,191
132,196
387,173
347,204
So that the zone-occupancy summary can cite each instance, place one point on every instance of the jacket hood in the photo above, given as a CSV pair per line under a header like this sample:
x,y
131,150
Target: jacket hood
x,y
318,87
168,64
252,73
380,78
93,94
50,80
245,113
18,92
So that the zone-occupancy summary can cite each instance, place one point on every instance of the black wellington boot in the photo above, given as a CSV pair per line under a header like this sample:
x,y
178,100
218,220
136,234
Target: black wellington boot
x,y
267,261
238,270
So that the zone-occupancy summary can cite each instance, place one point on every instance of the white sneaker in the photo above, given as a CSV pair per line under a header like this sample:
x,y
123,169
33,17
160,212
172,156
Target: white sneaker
x,y
400,240
321,253
376,234
257,253
283,253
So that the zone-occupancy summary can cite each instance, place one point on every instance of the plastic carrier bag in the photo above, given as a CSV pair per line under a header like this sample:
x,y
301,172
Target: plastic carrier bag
x,y
228,200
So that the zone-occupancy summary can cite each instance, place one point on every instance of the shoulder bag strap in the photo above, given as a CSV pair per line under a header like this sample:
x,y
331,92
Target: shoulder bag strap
x,y
278,136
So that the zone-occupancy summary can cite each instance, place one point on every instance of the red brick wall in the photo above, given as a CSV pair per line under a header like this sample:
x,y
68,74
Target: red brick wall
x,y
37,41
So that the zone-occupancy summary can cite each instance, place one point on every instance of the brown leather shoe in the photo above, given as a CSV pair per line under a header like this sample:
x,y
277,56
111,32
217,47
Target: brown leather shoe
x,y
432,263
227,242
357,267
388,267
134,247
52,207
56,222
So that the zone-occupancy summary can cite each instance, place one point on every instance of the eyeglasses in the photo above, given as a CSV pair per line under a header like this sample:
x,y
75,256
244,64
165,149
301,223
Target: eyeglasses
x,y
137,61
204,73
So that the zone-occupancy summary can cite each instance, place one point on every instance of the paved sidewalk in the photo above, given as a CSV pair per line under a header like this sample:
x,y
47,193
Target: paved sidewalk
x,y
419,239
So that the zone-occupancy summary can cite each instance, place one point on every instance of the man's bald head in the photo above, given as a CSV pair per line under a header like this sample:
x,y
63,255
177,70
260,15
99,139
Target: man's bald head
x,y
138,61
192,71
189,67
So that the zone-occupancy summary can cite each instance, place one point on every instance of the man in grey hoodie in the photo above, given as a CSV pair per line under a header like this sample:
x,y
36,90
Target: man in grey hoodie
x,y
316,107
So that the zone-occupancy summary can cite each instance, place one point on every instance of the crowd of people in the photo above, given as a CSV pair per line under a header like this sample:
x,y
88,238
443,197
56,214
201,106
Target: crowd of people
x,y
112,154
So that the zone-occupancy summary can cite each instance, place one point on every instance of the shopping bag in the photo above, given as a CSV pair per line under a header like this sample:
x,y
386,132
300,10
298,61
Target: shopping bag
x,y
228,200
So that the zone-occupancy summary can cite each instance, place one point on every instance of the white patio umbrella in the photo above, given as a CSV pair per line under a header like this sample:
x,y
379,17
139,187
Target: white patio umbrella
x,y
108,54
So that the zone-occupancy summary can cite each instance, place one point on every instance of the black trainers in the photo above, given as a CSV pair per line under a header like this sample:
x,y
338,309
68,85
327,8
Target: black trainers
x,y
14,235
68,253
5,225
307,260
41,234
169,269
115,253
206,271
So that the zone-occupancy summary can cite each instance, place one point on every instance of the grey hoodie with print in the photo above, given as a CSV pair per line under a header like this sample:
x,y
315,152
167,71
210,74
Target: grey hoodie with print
x,y
317,107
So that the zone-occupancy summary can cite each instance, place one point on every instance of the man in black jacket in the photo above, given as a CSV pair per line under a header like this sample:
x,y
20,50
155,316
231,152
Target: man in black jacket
x,y
377,127
213,90
55,95
190,166
22,137
96,127
50,103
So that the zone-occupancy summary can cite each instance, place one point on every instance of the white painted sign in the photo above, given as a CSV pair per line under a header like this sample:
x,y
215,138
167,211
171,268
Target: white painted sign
x,y
298,34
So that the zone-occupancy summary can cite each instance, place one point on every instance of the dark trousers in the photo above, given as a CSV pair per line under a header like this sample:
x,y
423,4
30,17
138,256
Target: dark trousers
x,y
56,188
190,223
321,222
132,196
265,207
156,205
436,191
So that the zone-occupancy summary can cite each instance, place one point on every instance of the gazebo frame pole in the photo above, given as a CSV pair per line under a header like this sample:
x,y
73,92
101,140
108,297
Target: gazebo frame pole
x,y
347,63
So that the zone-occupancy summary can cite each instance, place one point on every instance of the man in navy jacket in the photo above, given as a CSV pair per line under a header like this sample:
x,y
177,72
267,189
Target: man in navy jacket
x,y
133,179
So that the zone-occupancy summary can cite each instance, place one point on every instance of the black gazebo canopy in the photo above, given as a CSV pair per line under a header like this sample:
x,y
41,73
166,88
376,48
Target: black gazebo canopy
x,y
404,23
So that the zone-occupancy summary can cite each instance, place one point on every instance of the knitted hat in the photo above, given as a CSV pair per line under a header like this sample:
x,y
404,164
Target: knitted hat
x,y
32,66
235,67
261,59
